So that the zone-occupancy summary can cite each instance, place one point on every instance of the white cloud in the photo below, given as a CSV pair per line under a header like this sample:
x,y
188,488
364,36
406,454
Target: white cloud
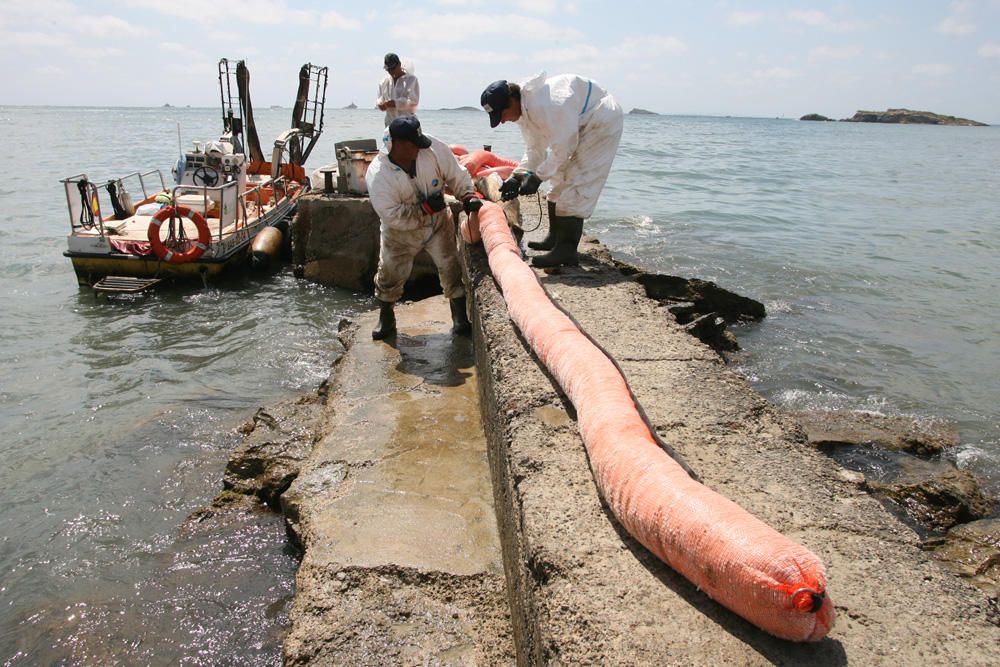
x,y
774,74
642,48
809,16
259,12
933,69
173,47
96,53
989,50
835,53
32,39
470,26
819,19
956,26
537,6
50,71
741,19
104,27
457,56
647,47
336,20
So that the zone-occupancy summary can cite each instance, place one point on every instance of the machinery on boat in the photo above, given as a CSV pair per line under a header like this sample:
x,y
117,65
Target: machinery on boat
x,y
221,197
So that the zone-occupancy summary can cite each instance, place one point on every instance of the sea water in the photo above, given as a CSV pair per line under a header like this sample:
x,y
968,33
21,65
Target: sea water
x,y
874,248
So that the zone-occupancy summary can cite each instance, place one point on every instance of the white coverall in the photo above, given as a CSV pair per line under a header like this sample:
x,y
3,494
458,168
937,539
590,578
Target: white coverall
x,y
404,91
405,229
579,123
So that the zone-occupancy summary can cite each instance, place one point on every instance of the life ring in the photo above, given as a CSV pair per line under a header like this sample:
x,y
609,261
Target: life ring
x,y
196,248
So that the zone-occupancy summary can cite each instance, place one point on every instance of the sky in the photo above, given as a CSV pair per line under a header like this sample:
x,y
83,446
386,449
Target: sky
x,y
714,57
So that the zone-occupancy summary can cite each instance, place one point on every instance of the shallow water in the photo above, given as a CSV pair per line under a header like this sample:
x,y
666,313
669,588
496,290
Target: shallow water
x,y
873,247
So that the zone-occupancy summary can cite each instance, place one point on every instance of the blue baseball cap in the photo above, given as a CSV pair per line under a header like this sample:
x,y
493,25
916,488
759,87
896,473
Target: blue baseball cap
x,y
495,99
407,128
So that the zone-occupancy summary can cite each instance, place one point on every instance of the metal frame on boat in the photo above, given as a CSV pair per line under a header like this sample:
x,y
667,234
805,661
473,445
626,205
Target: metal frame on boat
x,y
221,197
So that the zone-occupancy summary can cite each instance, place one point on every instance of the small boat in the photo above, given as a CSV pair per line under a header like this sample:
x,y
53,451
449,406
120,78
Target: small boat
x,y
220,197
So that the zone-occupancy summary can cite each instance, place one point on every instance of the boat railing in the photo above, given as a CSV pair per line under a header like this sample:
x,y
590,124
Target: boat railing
x,y
84,198
141,177
87,200
236,209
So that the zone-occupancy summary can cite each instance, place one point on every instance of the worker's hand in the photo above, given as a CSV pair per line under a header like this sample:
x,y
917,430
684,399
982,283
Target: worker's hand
x,y
530,185
472,204
381,106
510,187
433,203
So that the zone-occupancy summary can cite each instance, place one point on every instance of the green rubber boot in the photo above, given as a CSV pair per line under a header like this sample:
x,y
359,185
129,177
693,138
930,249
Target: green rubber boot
x,y
386,321
549,242
569,231
461,326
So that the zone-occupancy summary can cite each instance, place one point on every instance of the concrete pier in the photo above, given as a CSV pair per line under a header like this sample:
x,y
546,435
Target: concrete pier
x,y
402,561
394,509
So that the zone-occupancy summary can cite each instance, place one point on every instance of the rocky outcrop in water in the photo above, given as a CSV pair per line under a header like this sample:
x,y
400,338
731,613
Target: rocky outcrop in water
x,y
642,112
703,308
922,437
973,551
909,117
276,442
814,116
902,462
936,495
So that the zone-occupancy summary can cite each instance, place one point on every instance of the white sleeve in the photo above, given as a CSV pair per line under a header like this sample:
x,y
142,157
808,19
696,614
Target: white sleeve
x,y
563,125
384,91
535,147
407,102
391,206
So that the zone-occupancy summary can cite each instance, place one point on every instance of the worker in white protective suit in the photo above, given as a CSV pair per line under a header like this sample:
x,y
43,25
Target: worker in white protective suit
x,y
398,91
571,127
406,184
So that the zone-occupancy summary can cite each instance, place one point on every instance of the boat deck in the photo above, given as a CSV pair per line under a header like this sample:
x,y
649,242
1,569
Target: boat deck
x,y
136,227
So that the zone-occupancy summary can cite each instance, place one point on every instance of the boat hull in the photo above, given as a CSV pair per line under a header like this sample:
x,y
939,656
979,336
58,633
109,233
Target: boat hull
x,y
224,257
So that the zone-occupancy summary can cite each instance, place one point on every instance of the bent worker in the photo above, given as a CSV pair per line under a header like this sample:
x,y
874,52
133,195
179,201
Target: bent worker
x,y
406,185
571,127
398,92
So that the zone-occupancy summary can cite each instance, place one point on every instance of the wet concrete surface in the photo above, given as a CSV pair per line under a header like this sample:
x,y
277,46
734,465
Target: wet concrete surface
x,y
394,509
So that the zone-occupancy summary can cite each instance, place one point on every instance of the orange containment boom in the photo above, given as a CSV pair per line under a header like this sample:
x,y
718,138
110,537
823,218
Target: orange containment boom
x,y
741,562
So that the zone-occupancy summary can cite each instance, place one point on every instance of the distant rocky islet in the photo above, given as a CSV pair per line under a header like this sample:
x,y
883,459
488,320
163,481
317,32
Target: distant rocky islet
x,y
900,117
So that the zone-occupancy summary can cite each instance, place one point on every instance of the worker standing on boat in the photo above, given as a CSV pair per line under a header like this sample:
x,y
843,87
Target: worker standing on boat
x,y
406,185
398,92
571,127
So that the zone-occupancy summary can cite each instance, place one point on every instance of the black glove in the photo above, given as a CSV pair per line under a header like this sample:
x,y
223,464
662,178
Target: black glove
x,y
510,187
531,184
433,203
472,204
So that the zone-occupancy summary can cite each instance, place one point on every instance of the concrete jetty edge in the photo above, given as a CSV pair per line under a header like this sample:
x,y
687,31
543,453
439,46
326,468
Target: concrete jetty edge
x,y
582,591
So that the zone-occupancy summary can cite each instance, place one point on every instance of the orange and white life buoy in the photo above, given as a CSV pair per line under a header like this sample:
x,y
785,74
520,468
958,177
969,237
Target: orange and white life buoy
x,y
195,249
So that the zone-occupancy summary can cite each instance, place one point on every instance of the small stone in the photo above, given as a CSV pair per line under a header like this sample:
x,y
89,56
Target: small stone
x,y
852,476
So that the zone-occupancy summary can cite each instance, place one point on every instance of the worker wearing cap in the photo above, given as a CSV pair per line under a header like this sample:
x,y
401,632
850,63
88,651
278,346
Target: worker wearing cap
x,y
406,184
398,92
571,127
